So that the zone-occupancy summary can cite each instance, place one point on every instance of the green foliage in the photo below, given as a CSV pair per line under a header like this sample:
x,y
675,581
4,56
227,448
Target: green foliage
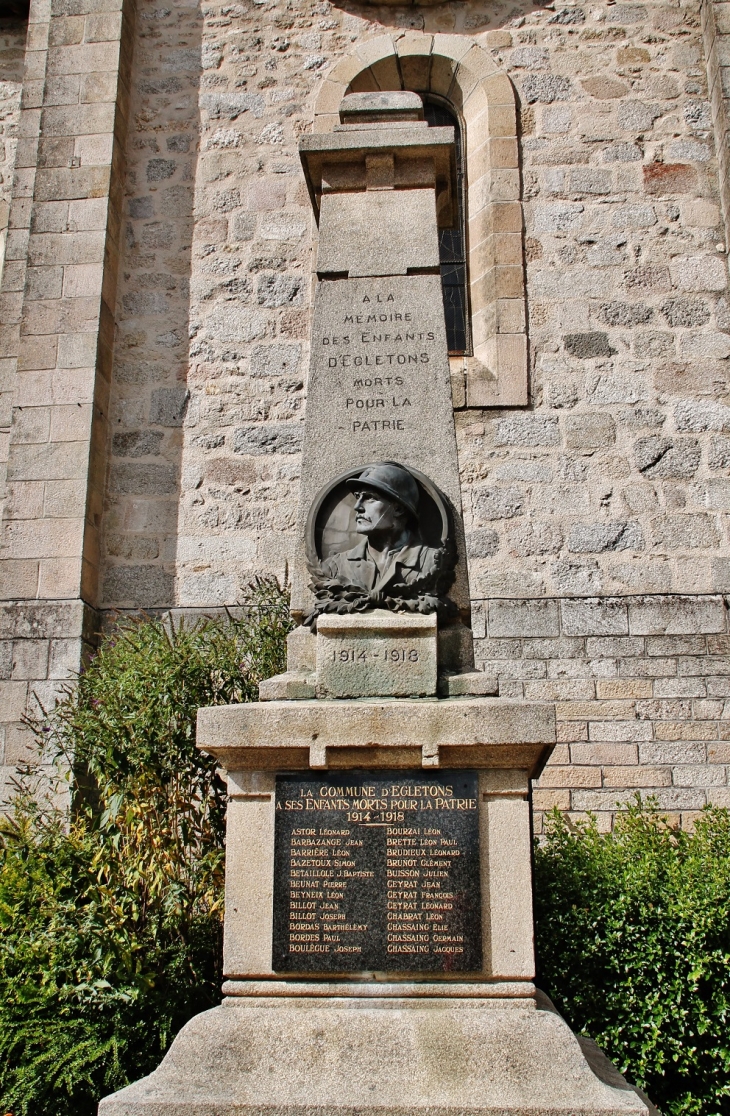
x,y
110,913
633,942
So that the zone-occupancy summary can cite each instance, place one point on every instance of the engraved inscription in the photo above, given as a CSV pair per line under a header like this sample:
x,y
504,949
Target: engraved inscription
x,y
381,345
377,871
375,654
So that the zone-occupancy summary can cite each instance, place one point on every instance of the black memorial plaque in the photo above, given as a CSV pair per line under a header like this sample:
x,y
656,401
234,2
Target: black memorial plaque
x,y
377,870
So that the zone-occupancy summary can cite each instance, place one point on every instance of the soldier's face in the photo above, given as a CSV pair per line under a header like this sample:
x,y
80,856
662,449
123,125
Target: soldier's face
x,y
374,513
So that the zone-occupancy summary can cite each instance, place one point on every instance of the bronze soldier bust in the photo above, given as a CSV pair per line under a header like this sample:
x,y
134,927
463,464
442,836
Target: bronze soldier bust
x,y
390,567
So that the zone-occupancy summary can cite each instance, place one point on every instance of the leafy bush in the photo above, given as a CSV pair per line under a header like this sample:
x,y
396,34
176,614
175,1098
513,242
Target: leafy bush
x,y
633,943
110,915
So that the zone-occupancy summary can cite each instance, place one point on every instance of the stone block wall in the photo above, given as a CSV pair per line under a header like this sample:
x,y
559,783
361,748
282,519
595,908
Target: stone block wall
x,y
42,646
211,353
56,326
641,688
615,479
150,389
610,490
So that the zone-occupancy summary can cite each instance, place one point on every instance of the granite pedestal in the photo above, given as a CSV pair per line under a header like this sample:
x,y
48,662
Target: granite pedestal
x,y
401,1043
380,1051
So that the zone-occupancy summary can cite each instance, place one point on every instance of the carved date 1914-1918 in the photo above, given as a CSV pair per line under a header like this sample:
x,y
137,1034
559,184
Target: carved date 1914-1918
x,y
383,655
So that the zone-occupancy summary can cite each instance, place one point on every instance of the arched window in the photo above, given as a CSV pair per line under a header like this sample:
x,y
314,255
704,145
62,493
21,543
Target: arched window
x,y
454,70
452,243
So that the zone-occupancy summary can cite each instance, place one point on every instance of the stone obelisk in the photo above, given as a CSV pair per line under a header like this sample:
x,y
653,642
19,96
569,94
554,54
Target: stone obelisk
x,y
378,927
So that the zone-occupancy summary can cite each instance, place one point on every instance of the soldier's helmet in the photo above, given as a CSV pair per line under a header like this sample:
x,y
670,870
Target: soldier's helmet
x,y
391,480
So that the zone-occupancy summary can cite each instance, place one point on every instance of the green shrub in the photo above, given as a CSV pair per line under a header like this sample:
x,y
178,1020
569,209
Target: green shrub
x,y
110,915
633,944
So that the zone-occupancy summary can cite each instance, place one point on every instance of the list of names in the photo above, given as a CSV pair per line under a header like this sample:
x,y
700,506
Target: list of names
x,y
377,871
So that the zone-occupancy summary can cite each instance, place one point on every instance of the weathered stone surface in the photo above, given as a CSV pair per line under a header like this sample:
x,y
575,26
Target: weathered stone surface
x,y
485,543
595,617
493,1054
625,314
686,532
546,88
294,685
677,616
528,430
718,456
699,416
604,88
48,620
137,443
592,538
150,479
662,457
139,586
535,538
382,232
267,438
587,345
523,618
705,346
481,732
499,503
589,432
472,683
167,407
279,290
376,654
697,273
686,312
664,178
274,360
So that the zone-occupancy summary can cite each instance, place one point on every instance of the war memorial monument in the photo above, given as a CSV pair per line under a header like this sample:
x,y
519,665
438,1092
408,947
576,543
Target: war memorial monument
x,y
378,926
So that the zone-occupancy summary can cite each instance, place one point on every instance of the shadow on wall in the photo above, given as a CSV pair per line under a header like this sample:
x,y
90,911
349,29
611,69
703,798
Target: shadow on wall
x,y
13,31
149,390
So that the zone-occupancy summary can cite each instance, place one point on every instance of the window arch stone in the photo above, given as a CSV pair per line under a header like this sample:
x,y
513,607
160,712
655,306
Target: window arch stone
x,y
458,69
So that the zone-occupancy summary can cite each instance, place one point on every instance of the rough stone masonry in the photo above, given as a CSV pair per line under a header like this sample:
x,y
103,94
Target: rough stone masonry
x,y
154,327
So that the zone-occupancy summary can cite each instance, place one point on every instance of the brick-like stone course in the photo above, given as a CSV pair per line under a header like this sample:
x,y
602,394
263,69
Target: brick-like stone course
x,y
57,296
42,648
637,703
56,324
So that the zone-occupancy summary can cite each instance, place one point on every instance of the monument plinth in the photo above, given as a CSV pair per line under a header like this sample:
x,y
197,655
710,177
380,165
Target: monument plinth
x,y
378,945
392,654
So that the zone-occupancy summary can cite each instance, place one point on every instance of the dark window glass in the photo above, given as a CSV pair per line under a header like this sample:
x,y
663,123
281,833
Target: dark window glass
x,y
452,244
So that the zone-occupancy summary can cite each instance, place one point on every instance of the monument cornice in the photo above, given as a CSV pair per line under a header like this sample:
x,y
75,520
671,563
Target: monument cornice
x,y
409,144
478,733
